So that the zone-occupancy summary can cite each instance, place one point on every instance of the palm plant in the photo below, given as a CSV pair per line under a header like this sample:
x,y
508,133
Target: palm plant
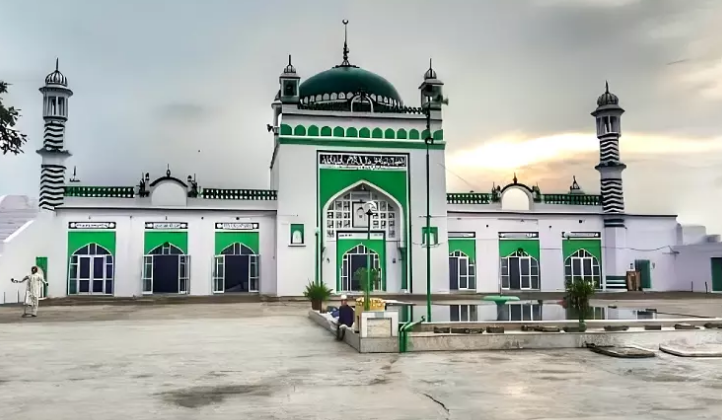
x,y
317,293
362,276
579,293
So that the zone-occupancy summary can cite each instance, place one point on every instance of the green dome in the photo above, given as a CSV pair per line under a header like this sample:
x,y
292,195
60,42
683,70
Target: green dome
x,y
348,80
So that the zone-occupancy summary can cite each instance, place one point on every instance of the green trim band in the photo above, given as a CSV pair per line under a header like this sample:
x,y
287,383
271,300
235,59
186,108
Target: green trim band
x,y
376,144
363,132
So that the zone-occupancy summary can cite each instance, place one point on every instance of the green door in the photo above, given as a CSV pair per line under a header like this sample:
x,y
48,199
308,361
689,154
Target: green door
x,y
645,273
716,274
42,263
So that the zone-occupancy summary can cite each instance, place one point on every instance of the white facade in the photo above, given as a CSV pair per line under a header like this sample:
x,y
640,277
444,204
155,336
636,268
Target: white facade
x,y
344,137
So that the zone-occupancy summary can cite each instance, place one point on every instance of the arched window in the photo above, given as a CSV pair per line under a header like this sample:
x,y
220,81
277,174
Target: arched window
x,y
355,259
166,249
346,212
582,264
519,271
462,272
91,271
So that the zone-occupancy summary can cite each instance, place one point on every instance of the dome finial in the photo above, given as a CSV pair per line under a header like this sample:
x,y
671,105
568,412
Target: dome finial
x,y
606,85
57,63
345,61
430,73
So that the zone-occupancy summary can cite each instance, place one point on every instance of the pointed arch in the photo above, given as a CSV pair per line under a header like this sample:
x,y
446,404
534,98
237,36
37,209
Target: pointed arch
x,y
583,264
237,248
355,259
398,211
519,271
91,270
462,271
166,249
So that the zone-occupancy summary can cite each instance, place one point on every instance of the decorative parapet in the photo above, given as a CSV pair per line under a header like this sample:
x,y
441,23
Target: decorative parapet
x,y
561,199
572,199
468,198
362,132
235,194
100,192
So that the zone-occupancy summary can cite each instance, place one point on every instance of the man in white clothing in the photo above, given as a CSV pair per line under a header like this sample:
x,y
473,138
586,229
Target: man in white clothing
x,y
32,294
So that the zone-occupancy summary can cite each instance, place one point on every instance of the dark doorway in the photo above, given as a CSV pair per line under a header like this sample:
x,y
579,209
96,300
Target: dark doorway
x,y
236,270
165,274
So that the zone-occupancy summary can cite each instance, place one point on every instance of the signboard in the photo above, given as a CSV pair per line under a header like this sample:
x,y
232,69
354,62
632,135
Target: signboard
x,y
360,235
236,226
91,225
166,225
581,235
362,161
518,235
462,235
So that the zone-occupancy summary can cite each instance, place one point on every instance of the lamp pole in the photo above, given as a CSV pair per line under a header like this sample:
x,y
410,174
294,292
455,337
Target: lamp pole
x,y
429,140
370,209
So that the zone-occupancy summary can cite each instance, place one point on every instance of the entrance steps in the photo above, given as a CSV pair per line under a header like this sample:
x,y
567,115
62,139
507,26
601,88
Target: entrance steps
x,y
153,300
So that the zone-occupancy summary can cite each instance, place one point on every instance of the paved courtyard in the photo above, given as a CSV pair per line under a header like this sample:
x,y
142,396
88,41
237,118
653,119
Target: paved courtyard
x,y
267,361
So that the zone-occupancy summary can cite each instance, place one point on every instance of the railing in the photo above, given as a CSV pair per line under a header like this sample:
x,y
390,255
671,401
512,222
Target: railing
x,y
572,199
106,192
468,198
234,194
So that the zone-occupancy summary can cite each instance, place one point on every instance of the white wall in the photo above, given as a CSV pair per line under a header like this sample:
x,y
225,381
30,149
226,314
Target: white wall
x,y
652,238
130,234
693,266
34,239
487,228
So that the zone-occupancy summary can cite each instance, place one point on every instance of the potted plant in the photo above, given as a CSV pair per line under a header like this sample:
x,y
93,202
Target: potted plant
x,y
579,293
375,280
317,293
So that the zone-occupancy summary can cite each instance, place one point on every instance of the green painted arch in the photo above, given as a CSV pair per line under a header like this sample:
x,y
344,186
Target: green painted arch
x,y
510,246
377,133
79,239
299,130
335,182
154,239
286,130
351,132
376,246
364,133
439,135
228,238
414,134
389,133
401,134
339,132
425,134
465,246
326,131
592,246
313,130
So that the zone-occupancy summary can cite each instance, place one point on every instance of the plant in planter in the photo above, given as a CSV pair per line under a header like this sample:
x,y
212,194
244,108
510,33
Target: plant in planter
x,y
579,293
317,293
375,280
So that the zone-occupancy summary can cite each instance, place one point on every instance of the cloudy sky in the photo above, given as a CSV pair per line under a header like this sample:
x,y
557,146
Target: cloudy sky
x,y
189,83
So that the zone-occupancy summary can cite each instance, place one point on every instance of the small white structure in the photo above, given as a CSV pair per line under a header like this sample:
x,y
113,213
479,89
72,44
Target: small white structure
x,y
344,137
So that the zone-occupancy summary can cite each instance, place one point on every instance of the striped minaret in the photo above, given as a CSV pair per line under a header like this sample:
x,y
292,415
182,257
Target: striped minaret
x,y
608,115
53,154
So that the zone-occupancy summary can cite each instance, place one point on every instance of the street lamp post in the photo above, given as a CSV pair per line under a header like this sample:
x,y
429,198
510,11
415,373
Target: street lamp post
x,y
370,209
429,140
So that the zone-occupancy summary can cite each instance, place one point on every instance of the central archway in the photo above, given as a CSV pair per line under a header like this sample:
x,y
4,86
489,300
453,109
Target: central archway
x,y
355,259
236,270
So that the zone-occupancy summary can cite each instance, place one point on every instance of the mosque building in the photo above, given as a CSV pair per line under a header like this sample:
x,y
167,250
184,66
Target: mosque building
x,y
343,138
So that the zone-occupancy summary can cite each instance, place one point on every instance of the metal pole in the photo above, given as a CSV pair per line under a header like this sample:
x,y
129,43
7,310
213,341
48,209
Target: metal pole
x,y
367,294
429,140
